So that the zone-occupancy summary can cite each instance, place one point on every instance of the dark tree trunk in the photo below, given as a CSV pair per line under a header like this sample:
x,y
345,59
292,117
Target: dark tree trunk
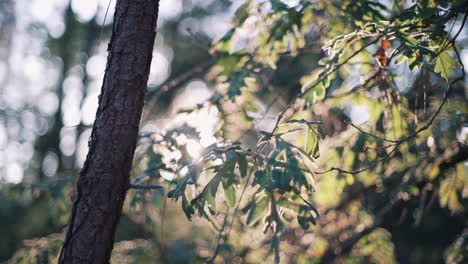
x,y
104,179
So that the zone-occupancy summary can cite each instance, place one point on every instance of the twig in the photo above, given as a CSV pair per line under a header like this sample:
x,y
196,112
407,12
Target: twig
x,y
403,139
199,41
459,155
372,75
145,187
362,170
461,27
421,129
218,244
156,93
452,41
382,147
301,94
370,134
267,108
104,22
180,79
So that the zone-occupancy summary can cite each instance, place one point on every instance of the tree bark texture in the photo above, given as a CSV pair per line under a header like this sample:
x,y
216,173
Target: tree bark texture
x,y
104,179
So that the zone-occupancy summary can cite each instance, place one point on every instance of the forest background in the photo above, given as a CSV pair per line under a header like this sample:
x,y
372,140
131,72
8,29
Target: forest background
x,y
317,131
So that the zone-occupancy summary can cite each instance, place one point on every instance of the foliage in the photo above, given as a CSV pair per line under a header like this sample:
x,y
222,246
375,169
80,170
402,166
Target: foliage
x,y
280,173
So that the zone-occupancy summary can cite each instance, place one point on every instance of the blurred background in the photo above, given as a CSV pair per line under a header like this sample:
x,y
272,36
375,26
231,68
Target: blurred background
x,y
52,61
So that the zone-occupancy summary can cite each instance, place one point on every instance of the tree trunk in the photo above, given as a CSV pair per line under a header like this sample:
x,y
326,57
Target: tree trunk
x,y
104,179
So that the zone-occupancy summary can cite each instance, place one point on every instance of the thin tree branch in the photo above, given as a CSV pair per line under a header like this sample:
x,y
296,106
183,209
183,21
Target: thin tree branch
x,y
156,93
461,27
396,143
104,22
421,129
403,139
145,187
458,153
364,169
337,67
218,243
370,134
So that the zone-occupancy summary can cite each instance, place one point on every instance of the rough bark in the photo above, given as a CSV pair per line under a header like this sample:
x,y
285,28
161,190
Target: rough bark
x,y
104,179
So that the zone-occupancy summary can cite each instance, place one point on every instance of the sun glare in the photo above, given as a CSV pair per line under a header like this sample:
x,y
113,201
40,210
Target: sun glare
x,y
194,148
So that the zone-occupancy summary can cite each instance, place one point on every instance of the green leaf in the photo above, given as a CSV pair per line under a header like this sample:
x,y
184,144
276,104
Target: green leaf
x,y
264,179
293,170
230,63
302,208
179,190
242,13
155,159
187,207
281,180
216,98
304,221
448,196
314,89
444,65
242,162
186,111
312,143
236,82
258,210
230,194
278,6
228,35
190,177
427,12
208,195
210,192
415,61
